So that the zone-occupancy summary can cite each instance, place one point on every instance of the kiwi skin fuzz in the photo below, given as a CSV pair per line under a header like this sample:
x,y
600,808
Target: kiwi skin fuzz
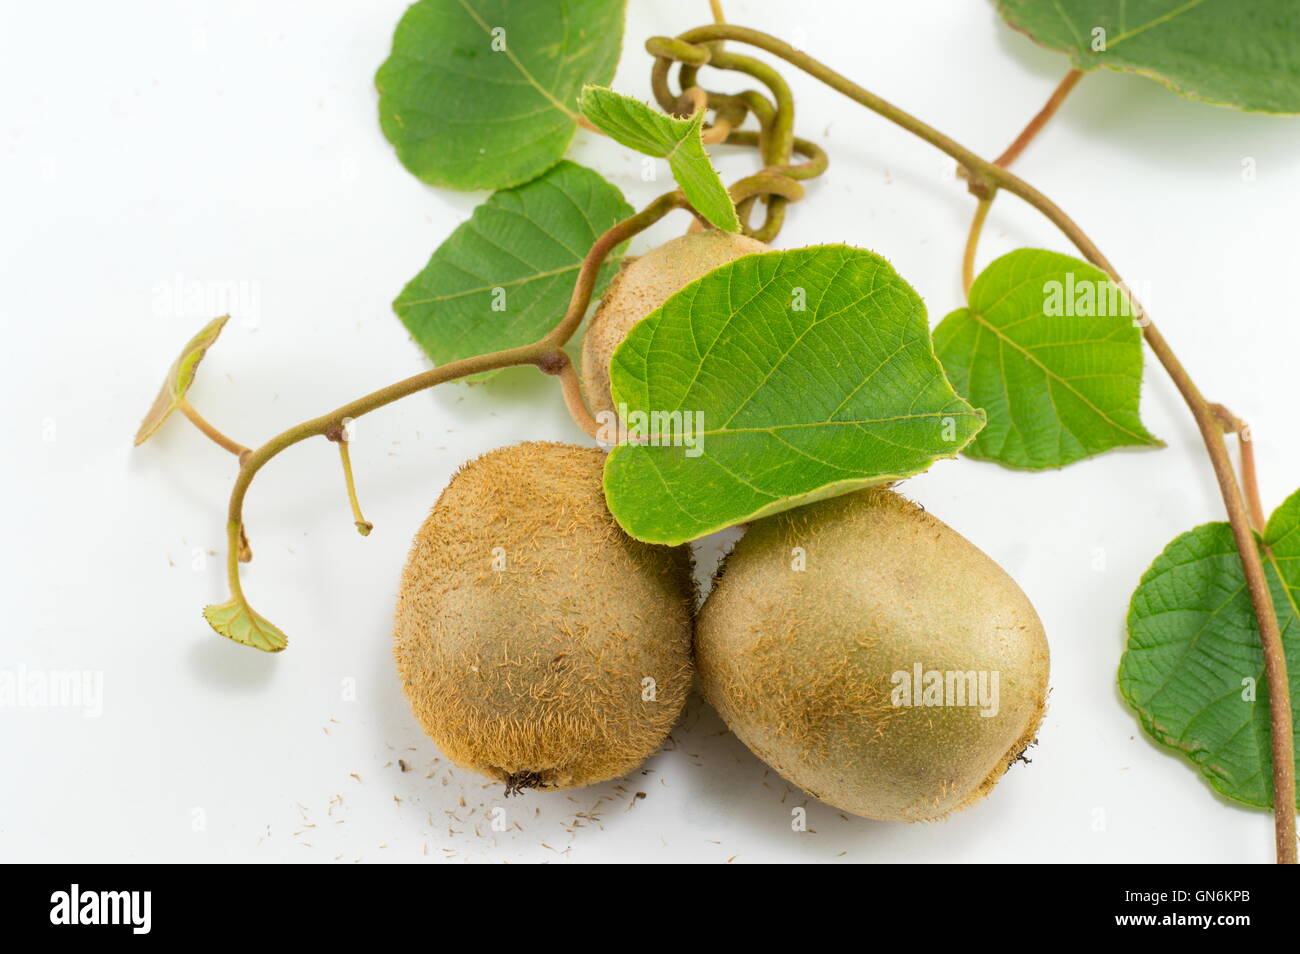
x,y
641,287
534,673
799,663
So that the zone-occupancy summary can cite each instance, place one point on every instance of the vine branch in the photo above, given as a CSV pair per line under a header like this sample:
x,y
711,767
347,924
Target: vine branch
x,y
989,175
547,354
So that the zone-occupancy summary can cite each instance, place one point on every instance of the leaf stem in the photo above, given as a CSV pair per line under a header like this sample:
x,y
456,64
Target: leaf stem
x,y
1250,483
1246,447
571,387
991,175
973,241
202,423
363,525
1013,151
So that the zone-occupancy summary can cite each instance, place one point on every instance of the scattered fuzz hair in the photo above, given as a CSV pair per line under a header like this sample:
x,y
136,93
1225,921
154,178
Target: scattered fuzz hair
x,y
538,643
641,287
819,617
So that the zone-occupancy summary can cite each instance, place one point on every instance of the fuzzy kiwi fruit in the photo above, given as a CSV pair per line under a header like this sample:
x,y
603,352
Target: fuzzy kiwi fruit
x,y
641,287
538,643
808,667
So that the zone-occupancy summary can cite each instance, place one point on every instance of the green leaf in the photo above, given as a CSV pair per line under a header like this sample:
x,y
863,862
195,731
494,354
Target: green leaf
x,y
1194,670
179,378
236,620
1239,53
794,376
680,141
503,279
481,94
1049,347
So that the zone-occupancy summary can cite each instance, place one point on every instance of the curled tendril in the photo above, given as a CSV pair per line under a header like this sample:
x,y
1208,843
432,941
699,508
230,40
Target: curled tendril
x,y
778,183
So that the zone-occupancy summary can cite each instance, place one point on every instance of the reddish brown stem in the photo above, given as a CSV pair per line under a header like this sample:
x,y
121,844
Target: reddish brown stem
x,y
1039,121
1246,448
972,243
574,401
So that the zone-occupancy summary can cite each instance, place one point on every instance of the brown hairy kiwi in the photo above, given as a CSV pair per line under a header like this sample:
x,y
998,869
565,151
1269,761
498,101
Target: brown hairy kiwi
x,y
641,287
808,667
538,643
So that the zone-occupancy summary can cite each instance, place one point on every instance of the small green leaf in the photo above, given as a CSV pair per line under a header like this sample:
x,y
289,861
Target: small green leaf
x,y
503,279
1194,670
481,94
179,378
1049,347
236,620
779,379
1239,53
646,130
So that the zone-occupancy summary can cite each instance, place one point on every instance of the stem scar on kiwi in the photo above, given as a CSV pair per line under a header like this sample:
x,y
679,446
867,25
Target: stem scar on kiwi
x,y
528,622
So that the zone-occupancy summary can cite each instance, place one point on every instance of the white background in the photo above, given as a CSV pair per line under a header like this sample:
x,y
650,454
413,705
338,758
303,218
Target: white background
x,y
147,143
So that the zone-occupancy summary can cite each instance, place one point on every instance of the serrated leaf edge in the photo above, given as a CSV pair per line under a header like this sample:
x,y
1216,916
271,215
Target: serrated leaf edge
x,y
223,618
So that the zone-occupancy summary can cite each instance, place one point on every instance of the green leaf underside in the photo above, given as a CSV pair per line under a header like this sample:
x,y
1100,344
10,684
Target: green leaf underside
x,y
1239,53
637,126
238,621
1193,640
529,242
465,115
796,405
179,378
1057,388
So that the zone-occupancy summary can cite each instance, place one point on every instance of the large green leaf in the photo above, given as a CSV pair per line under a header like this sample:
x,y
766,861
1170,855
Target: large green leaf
x,y
238,621
504,278
1239,53
1048,347
481,94
806,374
680,141
1194,670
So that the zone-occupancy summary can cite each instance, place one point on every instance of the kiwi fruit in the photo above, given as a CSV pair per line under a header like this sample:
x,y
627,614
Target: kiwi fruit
x,y
825,618
641,287
539,644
